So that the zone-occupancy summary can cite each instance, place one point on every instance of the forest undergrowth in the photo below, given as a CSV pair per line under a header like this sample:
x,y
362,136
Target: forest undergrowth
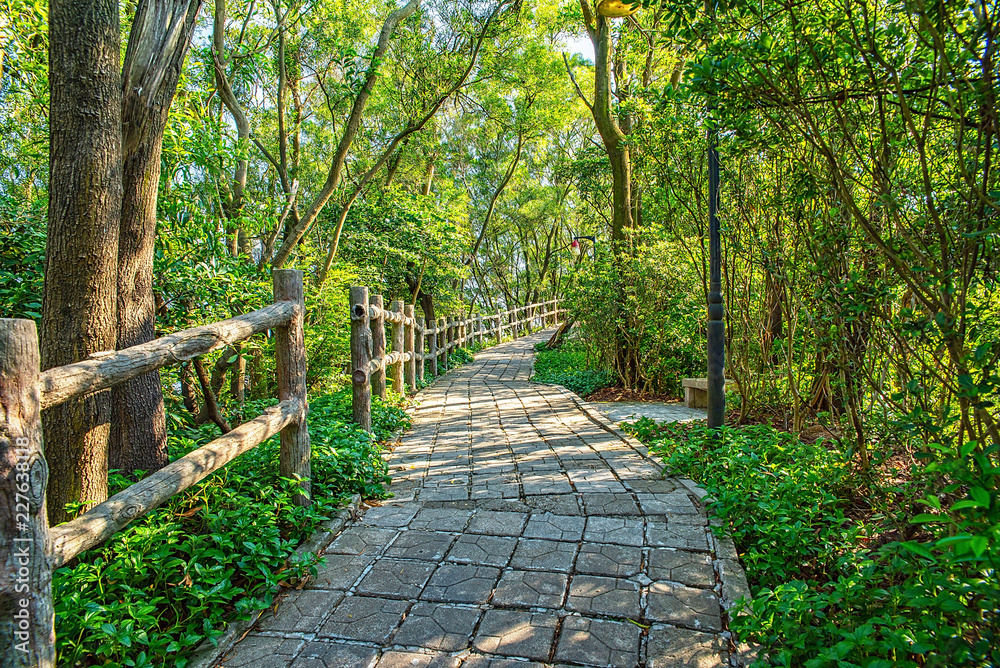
x,y
153,593
844,568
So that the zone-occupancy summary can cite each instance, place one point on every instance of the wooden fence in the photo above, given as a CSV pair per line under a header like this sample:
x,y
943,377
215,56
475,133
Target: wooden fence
x,y
32,549
416,348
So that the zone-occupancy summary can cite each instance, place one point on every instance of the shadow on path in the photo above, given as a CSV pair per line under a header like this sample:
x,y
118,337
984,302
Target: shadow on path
x,y
526,531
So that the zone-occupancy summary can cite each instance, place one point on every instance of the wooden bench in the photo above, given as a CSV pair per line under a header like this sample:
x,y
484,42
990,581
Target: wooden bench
x,y
696,392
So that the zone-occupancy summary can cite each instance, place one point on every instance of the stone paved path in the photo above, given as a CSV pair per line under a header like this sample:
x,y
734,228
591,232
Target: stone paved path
x,y
525,532
630,411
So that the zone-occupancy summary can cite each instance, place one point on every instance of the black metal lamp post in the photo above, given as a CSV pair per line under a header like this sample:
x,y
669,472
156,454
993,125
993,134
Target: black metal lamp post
x,y
716,310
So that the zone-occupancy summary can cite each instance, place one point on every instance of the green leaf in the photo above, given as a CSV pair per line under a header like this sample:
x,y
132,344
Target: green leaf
x,y
979,545
918,549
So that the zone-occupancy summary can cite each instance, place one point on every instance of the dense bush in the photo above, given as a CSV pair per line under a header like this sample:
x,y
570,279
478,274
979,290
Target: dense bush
x,y
22,261
568,366
825,593
639,315
157,589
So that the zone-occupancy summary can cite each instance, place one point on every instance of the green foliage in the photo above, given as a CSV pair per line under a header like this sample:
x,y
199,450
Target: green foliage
x,y
568,366
640,314
402,236
158,588
22,264
824,593
460,356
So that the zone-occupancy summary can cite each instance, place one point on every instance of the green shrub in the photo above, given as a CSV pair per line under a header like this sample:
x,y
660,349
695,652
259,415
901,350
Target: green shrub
x,y
158,588
568,366
646,304
824,593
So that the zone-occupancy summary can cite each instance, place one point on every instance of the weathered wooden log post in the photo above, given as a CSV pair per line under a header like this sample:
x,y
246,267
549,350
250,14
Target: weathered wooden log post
x,y
442,346
410,370
27,618
448,338
499,317
290,362
378,344
479,328
433,359
396,372
361,342
420,345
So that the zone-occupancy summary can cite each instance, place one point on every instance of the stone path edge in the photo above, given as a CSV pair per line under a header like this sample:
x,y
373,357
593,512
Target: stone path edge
x,y
208,655
730,571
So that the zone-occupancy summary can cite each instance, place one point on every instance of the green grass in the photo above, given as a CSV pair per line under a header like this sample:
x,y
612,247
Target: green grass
x,y
568,366
825,592
152,593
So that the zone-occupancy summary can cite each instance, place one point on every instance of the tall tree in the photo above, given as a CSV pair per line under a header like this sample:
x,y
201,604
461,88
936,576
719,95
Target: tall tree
x,y
351,128
85,200
612,134
159,40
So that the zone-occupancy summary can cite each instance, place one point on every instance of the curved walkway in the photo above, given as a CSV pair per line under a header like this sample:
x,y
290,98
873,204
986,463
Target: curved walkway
x,y
526,531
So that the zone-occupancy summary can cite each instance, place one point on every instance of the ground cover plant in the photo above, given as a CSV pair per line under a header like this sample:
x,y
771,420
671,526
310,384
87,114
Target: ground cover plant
x,y
212,554
569,366
843,571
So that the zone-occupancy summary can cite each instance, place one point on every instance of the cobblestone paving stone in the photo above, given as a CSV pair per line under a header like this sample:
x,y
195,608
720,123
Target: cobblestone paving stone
x,y
525,532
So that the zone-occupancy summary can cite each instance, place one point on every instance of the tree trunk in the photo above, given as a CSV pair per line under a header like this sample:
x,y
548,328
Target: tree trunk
x,y
428,176
427,305
157,45
85,198
612,134
238,240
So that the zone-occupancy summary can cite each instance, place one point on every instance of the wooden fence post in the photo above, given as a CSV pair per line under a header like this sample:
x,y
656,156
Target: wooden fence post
x,y
290,362
499,332
397,347
419,347
434,349
361,341
479,328
378,345
27,618
442,346
411,365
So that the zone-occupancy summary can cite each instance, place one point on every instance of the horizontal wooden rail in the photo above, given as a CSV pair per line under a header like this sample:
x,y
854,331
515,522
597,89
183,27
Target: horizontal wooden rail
x,y
421,345
25,392
386,360
104,520
104,370
375,312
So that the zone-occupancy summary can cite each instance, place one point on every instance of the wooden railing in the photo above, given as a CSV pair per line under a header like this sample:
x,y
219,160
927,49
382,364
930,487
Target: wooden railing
x,y
32,549
416,347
